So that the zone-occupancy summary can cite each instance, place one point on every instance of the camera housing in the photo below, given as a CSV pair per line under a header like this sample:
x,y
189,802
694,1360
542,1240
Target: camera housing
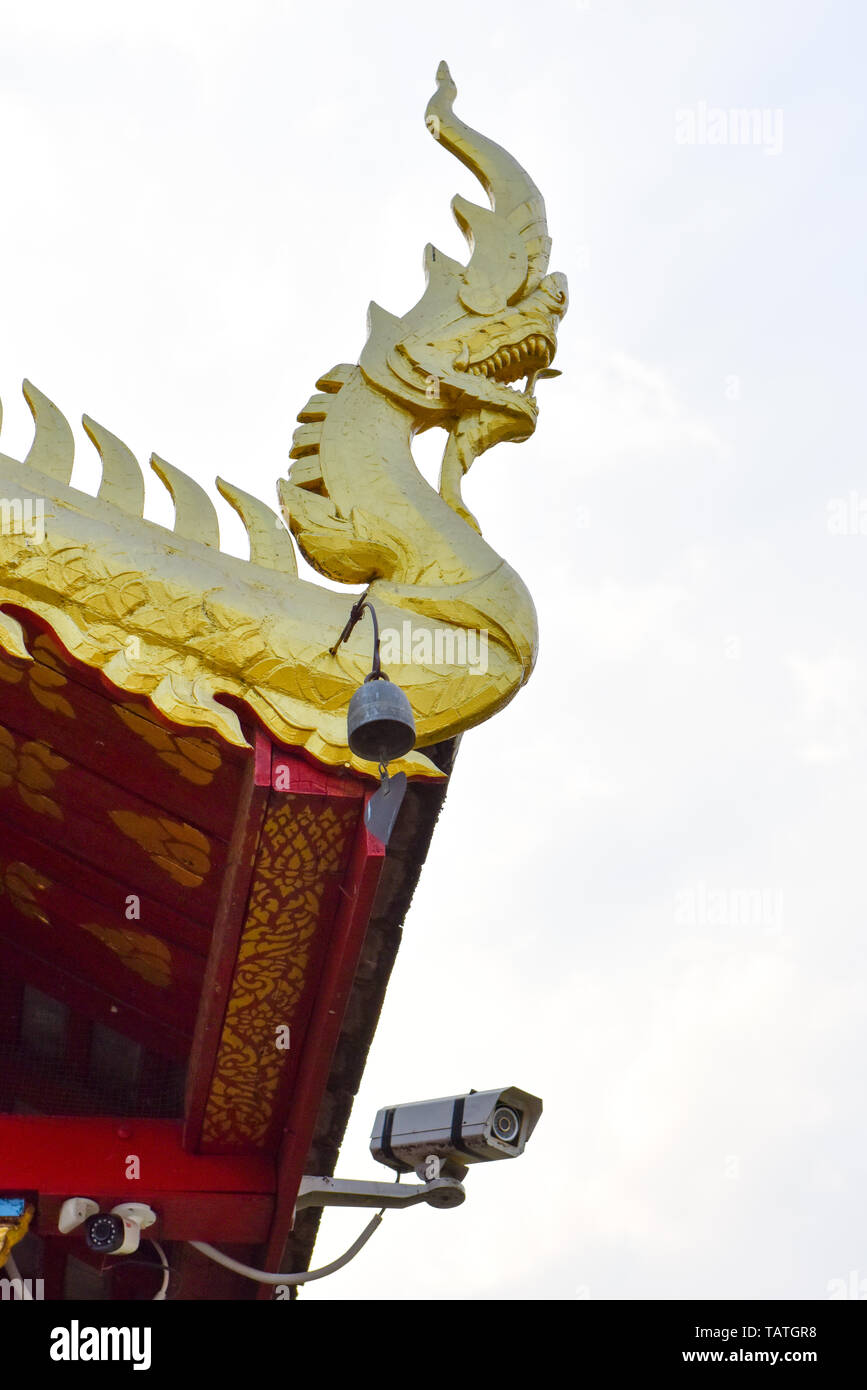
x,y
105,1233
115,1232
459,1130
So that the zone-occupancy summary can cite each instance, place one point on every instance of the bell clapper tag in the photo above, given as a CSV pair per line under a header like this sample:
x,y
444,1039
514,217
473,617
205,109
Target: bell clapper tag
x,y
382,808
381,729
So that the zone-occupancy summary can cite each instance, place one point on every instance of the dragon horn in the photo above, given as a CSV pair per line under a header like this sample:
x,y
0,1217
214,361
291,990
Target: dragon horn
x,y
517,206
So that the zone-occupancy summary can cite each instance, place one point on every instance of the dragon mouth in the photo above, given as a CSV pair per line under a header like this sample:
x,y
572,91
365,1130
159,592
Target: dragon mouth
x,y
509,364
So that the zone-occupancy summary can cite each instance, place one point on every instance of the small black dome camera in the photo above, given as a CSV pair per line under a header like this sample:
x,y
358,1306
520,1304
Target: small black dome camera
x,y
104,1233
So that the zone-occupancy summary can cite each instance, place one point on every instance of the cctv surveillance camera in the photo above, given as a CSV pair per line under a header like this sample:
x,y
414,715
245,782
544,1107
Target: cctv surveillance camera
x,y
104,1233
116,1232
457,1129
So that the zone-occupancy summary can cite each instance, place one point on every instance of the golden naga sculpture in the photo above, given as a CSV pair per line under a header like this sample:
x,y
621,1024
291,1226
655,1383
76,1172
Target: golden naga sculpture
x,y
167,616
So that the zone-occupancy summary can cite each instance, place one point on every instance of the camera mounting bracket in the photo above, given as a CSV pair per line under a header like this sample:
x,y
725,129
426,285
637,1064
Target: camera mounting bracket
x,y
338,1192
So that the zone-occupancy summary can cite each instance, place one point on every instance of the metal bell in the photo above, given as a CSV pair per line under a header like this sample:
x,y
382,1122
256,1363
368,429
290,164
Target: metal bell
x,y
380,722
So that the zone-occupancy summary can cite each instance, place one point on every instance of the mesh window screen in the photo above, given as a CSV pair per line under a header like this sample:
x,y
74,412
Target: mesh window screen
x,y
59,1063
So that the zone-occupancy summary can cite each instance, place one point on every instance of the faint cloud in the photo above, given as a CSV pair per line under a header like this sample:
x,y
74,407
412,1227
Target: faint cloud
x,y
626,406
618,622
830,722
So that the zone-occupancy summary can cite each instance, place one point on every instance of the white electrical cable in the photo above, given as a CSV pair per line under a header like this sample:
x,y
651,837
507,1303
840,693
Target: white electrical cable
x,y
161,1293
264,1277
16,1274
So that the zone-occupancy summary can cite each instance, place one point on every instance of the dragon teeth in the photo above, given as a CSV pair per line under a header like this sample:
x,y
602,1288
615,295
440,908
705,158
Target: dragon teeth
x,y
510,363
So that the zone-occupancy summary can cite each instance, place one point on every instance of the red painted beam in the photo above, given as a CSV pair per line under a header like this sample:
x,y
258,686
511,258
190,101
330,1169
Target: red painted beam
x,y
216,1199
332,996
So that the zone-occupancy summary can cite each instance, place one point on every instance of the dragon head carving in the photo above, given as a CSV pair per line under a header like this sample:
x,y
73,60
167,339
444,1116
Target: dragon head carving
x,y
457,358
172,619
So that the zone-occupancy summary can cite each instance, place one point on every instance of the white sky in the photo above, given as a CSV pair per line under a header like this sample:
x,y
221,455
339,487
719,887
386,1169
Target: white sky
x,y
199,201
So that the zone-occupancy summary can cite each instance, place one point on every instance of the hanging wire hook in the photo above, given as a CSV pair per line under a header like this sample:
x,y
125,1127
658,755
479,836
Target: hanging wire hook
x,y
376,672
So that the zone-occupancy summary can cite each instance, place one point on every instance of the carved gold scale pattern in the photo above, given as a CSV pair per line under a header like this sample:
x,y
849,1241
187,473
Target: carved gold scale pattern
x,y
301,849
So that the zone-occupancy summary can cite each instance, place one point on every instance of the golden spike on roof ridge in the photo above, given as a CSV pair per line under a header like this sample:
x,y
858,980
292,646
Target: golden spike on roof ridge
x,y
53,448
195,515
122,480
270,543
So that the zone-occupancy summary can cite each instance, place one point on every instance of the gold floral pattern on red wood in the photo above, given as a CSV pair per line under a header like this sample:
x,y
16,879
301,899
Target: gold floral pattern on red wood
x,y
180,850
145,955
196,759
30,767
21,884
45,678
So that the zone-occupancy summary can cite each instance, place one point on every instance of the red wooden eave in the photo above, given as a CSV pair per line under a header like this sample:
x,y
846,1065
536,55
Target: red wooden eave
x,y
195,1197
